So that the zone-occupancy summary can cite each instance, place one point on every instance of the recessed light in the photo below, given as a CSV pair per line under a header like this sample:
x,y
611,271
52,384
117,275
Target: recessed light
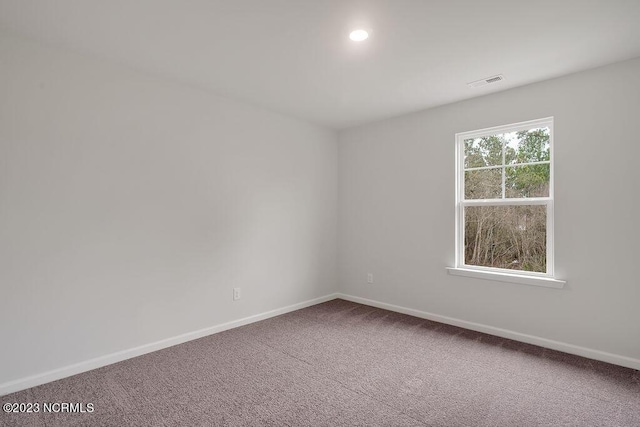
x,y
358,35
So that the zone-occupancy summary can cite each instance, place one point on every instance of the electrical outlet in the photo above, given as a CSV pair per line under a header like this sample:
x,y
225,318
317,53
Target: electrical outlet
x,y
369,277
236,294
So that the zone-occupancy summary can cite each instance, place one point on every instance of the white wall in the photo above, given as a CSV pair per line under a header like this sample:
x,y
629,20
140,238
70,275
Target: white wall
x,y
396,220
130,207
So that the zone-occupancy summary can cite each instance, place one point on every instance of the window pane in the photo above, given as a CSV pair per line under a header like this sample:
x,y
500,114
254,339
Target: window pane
x,y
527,146
483,184
481,152
527,181
511,237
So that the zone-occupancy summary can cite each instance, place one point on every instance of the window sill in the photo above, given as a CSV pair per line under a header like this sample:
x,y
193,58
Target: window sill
x,y
547,282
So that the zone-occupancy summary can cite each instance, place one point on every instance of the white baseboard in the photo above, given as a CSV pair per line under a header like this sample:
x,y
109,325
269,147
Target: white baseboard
x,y
98,362
589,353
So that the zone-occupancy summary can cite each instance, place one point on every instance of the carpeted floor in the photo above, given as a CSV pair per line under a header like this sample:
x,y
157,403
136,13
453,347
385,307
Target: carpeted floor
x,y
345,364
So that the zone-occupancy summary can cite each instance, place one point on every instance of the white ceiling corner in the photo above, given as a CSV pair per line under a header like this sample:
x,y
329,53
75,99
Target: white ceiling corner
x,y
295,56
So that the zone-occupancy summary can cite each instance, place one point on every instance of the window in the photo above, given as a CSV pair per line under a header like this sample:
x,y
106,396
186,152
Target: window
x,y
504,203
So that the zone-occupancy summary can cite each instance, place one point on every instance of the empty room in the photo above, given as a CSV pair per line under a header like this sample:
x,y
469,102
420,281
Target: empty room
x,y
319,213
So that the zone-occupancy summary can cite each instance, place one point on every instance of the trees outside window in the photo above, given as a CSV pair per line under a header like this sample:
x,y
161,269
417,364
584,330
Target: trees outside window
x,y
505,198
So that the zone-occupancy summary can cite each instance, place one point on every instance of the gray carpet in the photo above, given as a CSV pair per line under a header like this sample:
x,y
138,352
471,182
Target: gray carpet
x,y
346,364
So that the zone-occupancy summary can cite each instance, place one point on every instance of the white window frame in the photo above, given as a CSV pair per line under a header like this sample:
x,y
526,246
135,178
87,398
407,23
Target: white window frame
x,y
546,279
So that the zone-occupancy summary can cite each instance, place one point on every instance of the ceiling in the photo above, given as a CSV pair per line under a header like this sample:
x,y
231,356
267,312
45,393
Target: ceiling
x,y
295,56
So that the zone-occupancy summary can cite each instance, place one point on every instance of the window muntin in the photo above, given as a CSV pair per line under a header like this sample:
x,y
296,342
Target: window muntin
x,y
504,199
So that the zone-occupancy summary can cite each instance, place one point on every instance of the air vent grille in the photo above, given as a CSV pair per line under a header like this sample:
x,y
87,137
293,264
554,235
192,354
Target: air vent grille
x,y
488,80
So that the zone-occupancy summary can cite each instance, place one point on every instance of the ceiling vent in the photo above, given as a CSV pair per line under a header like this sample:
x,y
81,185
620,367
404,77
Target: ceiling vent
x,y
488,80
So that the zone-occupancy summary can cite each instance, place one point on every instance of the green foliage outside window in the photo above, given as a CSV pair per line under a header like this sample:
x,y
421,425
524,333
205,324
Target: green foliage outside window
x,y
512,237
